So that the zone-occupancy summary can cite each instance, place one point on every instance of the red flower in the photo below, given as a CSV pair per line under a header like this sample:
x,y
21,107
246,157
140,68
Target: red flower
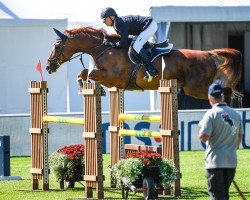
x,y
145,161
74,152
148,158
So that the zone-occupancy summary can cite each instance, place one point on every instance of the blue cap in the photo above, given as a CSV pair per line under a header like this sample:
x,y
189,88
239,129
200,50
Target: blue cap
x,y
215,89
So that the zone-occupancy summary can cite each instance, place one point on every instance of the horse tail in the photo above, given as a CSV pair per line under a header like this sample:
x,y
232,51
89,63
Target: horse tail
x,y
232,65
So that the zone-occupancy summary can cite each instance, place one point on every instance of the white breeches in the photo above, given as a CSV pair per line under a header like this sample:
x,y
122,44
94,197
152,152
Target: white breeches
x,y
144,36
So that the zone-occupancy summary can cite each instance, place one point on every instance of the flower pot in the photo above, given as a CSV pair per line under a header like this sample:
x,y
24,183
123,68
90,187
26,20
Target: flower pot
x,y
77,176
70,184
61,182
152,171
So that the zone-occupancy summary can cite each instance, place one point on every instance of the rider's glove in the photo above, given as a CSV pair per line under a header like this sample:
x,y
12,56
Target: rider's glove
x,y
108,43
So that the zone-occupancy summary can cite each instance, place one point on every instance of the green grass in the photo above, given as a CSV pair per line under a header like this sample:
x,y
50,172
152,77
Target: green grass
x,y
193,182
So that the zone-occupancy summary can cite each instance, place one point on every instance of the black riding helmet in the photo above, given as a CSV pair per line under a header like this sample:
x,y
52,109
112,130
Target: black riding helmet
x,y
107,12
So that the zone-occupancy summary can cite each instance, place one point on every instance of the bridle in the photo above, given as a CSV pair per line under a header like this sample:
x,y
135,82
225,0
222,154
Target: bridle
x,y
57,60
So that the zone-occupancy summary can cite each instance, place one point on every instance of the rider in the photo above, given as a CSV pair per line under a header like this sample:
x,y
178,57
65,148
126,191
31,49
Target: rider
x,y
144,27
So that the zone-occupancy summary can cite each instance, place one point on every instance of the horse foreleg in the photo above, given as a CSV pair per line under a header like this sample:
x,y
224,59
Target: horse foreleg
x,y
82,76
106,78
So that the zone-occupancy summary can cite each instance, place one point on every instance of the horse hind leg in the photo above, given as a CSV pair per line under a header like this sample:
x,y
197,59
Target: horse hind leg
x,y
227,95
238,97
232,98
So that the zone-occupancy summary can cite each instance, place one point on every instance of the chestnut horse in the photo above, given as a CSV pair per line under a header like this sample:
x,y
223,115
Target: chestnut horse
x,y
194,70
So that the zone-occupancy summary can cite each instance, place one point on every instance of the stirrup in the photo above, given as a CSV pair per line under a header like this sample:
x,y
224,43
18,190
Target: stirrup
x,y
148,77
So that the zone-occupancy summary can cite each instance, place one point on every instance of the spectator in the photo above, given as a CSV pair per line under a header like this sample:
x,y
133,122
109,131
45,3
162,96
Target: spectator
x,y
221,130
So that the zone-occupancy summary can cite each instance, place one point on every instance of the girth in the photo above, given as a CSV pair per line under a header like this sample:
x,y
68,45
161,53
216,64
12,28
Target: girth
x,y
132,86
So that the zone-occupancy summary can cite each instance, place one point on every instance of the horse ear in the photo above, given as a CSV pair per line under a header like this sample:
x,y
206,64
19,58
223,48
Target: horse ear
x,y
60,35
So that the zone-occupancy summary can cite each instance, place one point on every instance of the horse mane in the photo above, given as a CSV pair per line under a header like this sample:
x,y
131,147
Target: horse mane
x,y
84,30
88,30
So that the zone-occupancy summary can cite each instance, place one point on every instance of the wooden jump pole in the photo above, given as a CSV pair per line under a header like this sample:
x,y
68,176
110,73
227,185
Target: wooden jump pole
x,y
93,139
169,126
116,142
39,135
92,134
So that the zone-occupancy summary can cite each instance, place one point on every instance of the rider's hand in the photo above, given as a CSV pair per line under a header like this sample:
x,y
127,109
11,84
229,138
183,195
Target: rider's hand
x,y
108,43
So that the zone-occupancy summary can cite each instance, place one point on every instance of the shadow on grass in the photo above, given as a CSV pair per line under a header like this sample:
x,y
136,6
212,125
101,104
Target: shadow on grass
x,y
186,193
40,190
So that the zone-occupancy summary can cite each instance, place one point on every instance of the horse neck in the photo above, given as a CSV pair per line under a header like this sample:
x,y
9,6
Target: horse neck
x,y
94,45
97,52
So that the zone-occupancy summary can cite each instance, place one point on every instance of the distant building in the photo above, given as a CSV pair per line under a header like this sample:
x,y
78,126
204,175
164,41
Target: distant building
x,y
207,26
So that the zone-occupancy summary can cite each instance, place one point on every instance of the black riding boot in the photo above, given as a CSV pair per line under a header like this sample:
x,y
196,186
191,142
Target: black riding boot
x,y
151,72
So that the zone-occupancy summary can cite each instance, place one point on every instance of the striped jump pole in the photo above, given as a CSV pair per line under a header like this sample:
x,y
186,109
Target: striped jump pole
x,y
138,117
139,133
153,134
64,120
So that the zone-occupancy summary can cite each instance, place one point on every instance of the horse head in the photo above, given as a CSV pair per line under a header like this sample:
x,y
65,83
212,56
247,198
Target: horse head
x,y
84,39
60,53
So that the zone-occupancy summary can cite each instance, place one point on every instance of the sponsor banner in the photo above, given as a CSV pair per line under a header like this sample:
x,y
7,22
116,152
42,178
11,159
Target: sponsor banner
x,y
188,125
66,134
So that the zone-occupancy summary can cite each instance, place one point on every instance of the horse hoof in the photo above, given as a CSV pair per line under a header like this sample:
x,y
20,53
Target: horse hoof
x,y
79,90
103,93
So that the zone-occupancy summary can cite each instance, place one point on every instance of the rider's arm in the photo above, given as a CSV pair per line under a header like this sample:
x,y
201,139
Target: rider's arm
x,y
123,30
124,40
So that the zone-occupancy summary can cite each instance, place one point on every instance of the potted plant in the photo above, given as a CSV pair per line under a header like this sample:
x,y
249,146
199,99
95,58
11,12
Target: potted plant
x,y
145,170
67,163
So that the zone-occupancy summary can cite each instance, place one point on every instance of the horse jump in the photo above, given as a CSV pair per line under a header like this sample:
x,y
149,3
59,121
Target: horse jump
x,y
92,134
169,127
194,70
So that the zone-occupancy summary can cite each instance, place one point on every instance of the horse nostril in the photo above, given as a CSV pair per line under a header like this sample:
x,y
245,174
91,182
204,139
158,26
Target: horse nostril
x,y
47,67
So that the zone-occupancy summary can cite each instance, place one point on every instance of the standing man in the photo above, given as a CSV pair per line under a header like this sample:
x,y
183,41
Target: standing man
x,y
221,130
144,27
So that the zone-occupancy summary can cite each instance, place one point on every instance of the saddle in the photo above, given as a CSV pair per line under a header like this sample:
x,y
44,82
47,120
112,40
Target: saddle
x,y
154,50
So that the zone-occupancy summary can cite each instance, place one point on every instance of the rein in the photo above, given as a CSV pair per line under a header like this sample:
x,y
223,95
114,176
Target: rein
x,y
93,48
100,53
80,59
